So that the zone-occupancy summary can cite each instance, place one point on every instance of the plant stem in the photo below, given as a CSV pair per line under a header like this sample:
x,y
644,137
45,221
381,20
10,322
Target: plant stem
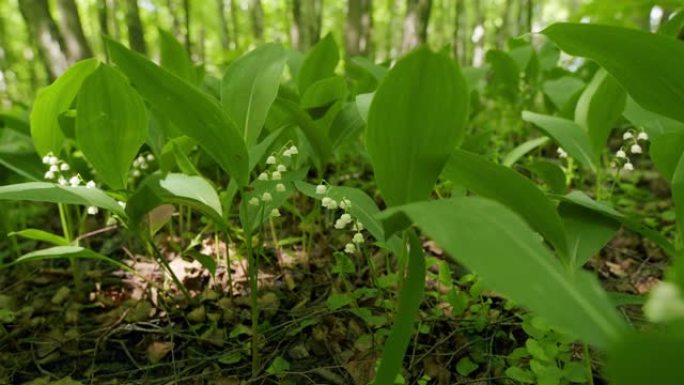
x,y
165,264
66,230
587,360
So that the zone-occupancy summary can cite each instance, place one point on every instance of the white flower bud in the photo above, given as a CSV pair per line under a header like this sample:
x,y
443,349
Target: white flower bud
x,y
628,166
136,173
62,181
122,204
271,160
293,150
345,204
346,217
149,158
340,224
287,153
263,176
64,167
276,175
280,187
53,160
275,213
358,226
74,181
358,238
349,248
54,168
90,184
627,135
281,168
329,203
92,210
621,154
635,149
49,175
46,159
642,136
561,153
321,189
266,197
254,201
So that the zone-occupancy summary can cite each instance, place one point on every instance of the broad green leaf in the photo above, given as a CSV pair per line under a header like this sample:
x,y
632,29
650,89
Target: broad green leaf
x,y
347,125
551,174
324,92
501,248
40,235
111,124
315,135
175,59
63,252
363,103
567,134
562,91
505,75
665,151
673,26
509,188
587,232
195,113
653,124
51,102
157,190
319,63
250,86
647,65
678,194
410,297
54,193
647,358
522,150
15,122
581,199
600,105
416,119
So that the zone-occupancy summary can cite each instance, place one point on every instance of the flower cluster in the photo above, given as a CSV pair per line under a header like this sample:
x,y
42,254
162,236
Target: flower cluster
x,y
632,143
274,172
59,170
344,220
140,164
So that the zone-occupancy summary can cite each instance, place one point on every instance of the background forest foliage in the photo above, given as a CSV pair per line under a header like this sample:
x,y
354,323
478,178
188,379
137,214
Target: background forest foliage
x,y
39,39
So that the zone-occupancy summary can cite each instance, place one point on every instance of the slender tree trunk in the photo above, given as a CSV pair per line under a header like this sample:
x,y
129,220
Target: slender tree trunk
x,y
186,19
177,30
136,34
416,23
223,24
103,17
478,35
236,23
77,47
307,21
45,34
457,40
504,32
256,13
358,27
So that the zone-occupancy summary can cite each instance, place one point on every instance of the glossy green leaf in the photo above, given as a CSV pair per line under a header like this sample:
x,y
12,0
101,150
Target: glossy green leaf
x,y
551,174
111,124
40,235
587,232
250,86
598,108
63,252
319,63
647,65
567,134
511,189
410,297
324,92
415,121
653,124
678,194
51,102
503,250
665,151
347,125
174,58
505,75
562,91
195,113
54,193
522,150
647,358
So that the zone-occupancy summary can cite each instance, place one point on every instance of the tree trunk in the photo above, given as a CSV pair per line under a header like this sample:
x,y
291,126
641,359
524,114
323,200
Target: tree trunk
x,y
416,23
223,24
256,13
236,23
136,35
77,47
307,19
357,35
45,34
459,49
478,35
186,19
103,17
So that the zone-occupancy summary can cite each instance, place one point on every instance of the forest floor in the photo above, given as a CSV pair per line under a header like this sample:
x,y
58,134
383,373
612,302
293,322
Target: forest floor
x,y
322,316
